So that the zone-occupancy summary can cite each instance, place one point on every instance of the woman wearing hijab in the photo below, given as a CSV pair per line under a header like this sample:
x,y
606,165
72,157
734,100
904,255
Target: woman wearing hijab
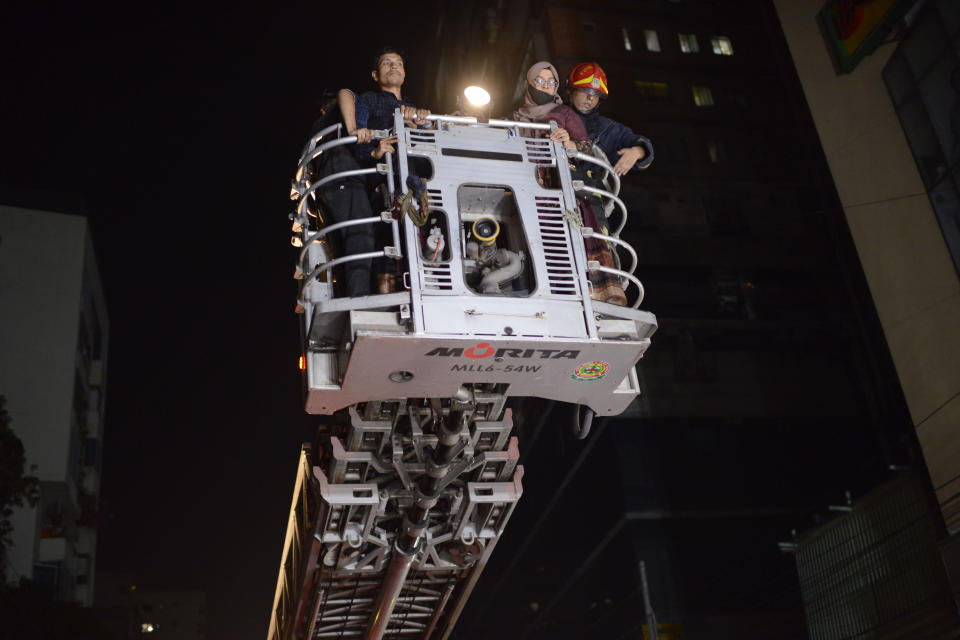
x,y
541,103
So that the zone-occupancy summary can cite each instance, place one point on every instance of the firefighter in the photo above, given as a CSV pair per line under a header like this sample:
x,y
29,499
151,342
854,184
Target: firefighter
x,y
542,103
624,149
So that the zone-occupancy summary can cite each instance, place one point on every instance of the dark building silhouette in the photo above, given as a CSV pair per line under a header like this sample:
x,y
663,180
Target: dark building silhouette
x,y
769,389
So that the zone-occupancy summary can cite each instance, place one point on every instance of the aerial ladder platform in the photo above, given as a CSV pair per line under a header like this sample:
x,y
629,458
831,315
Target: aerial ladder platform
x,y
399,504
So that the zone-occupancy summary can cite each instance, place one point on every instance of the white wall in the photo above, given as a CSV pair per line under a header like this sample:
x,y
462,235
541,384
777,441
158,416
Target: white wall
x,y
41,259
44,258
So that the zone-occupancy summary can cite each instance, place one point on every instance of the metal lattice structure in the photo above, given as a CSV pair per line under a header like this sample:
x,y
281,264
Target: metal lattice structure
x,y
348,510
398,509
876,572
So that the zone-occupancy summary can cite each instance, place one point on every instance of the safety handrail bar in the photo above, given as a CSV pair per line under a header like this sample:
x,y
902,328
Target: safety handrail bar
x,y
317,137
593,265
329,265
333,177
318,151
589,232
338,142
545,126
307,241
598,153
579,186
579,155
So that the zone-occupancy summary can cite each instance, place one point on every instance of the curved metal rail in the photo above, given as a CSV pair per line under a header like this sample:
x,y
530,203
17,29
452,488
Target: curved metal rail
x,y
316,152
593,265
333,177
603,164
331,264
317,137
333,227
589,232
578,186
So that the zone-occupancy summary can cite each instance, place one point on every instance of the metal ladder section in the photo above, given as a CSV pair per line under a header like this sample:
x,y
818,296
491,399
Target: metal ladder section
x,y
339,576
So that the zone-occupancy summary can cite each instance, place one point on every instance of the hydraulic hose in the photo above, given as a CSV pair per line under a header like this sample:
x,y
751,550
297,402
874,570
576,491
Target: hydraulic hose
x,y
415,522
582,429
509,267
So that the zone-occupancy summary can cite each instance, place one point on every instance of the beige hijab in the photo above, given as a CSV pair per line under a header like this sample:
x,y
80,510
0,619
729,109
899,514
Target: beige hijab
x,y
531,111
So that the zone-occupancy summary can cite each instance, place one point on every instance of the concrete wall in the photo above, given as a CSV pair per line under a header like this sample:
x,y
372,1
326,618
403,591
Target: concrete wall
x,y
48,279
41,266
912,279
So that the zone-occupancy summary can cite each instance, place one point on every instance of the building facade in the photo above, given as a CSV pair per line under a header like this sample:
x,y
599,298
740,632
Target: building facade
x,y
769,390
889,130
54,333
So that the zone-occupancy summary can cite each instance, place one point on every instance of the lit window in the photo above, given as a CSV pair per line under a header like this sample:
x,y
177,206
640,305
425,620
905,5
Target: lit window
x,y
652,41
721,45
626,40
688,43
149,627
702,96
653,91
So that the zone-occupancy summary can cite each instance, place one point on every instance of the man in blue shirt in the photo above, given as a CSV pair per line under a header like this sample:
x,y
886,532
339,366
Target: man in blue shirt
x,y
624,149
374,109
371,111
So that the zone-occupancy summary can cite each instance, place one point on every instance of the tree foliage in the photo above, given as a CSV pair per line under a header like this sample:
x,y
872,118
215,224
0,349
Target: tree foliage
x,y
17,488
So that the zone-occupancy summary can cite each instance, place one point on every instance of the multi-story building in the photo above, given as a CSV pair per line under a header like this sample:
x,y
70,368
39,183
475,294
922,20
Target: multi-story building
x,y
769,391
884,93
53,352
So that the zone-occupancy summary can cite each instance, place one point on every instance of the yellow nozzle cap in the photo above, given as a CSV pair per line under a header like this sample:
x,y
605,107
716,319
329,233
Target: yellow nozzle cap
x,y
486,230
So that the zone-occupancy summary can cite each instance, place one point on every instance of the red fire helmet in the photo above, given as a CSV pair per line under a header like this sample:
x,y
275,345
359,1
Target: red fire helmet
x,y
589,76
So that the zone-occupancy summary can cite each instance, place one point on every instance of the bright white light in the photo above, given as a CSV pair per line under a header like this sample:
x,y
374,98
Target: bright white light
x,y
148,627
476,96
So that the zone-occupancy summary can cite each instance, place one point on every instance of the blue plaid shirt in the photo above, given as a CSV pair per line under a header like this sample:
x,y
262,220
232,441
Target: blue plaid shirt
x,y
375,111
611,136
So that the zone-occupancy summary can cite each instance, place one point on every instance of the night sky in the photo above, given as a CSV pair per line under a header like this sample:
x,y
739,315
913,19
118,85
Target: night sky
x,y
176,131
180,128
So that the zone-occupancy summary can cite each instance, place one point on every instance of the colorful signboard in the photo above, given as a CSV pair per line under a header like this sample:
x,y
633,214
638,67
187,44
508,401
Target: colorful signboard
x,y
854,28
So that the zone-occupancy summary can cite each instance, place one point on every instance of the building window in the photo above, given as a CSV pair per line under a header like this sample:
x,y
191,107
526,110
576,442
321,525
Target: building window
x,y
688,43
651,39
652,91
702,96
716,151
626,40
721,45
